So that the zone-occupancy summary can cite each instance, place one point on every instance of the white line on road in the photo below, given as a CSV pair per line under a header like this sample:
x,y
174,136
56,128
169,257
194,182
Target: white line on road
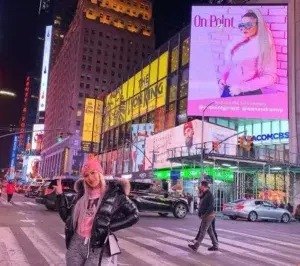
x,y
16,256
31,203
171,250
48,249
228,248
28,221
263,239
144,254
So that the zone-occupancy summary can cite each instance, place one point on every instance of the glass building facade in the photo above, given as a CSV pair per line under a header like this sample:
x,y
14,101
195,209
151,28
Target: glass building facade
x,y
153,98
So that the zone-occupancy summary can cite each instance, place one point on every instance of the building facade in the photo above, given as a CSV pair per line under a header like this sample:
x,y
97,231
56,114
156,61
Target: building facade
x,y
104,42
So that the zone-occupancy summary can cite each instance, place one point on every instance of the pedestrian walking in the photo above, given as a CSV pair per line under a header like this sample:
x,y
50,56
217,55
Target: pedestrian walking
x,y
10,189
98,210
207,215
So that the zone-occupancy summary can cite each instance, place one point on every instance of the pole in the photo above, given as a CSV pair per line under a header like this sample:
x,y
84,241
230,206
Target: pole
x,y
202,138
31,131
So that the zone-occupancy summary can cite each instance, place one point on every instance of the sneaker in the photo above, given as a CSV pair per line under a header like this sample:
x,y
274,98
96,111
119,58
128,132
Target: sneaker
x,y
194,247
213,249
192,241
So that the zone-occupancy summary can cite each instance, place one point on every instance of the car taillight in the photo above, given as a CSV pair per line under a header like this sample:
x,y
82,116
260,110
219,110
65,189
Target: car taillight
x,y
239,207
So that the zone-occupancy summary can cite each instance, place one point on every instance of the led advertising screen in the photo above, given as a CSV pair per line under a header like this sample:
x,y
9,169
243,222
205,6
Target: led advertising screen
x,y
139,134
238,61
37,137
45,69
185,140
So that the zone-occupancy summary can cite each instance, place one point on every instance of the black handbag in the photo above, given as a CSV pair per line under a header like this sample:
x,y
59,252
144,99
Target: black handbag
x,y
111,244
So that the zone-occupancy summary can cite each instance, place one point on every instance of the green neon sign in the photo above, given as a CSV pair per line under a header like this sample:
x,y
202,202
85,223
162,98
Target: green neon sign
x,y
226,175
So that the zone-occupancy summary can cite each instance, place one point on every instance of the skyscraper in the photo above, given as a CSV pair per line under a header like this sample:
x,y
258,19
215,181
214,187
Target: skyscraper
x,y
105,41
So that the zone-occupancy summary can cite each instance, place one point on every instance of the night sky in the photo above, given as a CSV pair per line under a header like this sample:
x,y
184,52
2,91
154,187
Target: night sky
x,y
17,50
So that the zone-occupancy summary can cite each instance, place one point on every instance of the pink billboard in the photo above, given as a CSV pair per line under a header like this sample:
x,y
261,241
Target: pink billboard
x,y
238,61
185,140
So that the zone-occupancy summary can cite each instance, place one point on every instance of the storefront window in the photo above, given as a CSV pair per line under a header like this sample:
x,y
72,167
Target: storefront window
x,y
121,135
182,117
185,52
184,83
116,137
222,122
151,117
170,116
143,119
174,59
276,126
256,129
249,130
127,136
173,88
159,119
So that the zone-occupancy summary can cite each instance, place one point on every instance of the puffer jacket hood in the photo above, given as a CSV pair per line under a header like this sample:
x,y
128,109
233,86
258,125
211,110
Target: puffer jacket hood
x,y
122,183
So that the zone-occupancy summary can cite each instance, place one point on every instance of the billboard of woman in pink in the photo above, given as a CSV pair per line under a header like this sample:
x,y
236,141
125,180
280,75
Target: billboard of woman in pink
x,y
244,51
251,62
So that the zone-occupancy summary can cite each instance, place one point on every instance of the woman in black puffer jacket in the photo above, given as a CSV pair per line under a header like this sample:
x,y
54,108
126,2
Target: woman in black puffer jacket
x,y
98,209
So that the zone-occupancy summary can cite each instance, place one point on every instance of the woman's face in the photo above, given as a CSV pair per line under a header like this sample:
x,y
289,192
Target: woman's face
x,y
92,178
248,27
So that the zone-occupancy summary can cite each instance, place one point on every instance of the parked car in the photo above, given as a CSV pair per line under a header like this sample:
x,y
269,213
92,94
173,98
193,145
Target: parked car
x,y
47,195
147,199
256,209
31,190
19,188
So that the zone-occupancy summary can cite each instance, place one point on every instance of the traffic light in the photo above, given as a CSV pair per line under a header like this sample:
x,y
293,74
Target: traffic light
x,y
215,145
250,144
60,136
241,142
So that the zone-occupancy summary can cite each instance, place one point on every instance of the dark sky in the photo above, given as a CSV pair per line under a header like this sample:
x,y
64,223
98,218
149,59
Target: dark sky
x,y
17,50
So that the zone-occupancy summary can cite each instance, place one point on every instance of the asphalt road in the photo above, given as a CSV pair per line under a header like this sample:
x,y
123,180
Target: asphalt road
x,y
31,235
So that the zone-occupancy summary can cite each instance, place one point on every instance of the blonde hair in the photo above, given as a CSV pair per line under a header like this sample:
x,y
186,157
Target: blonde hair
x,y
82,204
265,39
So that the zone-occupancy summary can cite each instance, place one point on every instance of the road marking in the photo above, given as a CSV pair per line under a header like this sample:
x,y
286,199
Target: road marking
x,y
183,243
228,248
31,203
62,235
262,238
47,248
171,250
144,254
14,252
18,203
28,221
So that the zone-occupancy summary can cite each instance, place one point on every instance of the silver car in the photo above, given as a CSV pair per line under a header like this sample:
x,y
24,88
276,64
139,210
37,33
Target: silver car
x,y
254,210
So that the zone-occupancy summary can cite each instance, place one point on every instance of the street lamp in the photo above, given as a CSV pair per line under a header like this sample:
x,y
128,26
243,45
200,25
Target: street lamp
x,y
202,138
7,93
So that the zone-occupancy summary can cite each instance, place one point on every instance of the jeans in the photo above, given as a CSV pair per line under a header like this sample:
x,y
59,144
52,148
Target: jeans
x,y
80,254
9,196
207,226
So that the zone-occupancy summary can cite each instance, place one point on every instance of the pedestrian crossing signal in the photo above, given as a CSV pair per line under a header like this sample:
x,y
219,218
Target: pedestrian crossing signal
x,y
215,145
250,145
241,142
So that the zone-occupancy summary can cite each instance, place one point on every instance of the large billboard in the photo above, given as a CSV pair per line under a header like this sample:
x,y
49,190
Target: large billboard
x,y
45,69
37,137
31,166
142,93
238,60
92,125
186,138
139,133
13,157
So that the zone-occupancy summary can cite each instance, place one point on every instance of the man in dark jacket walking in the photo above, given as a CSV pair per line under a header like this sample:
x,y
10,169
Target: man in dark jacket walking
x,y
206,213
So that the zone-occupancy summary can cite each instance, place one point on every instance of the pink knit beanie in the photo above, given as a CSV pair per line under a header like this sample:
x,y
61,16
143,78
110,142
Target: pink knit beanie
x,y
91,165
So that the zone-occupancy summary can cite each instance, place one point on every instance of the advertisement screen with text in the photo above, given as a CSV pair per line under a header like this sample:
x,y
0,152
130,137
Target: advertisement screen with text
x,y
239,61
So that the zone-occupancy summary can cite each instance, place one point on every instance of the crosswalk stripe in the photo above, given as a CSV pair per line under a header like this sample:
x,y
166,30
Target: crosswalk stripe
x,y
18,203
228,248
262,238
173,251
11,248
31,203
144,254
45,246
249,246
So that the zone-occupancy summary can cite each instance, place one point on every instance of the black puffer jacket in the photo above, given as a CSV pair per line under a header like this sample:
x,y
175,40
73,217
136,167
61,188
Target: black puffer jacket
x,y
116,211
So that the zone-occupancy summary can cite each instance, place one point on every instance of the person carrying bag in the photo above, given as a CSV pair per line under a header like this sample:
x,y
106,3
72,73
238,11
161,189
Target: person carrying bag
x,y
98,211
